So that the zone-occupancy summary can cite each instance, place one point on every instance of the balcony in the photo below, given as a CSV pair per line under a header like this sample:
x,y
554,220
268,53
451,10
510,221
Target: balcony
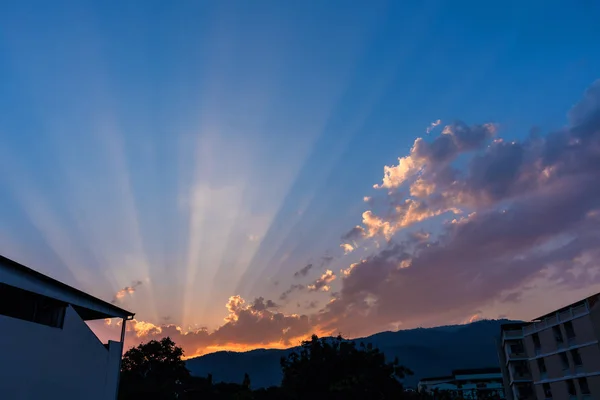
x,y
511,335
521,377
517,356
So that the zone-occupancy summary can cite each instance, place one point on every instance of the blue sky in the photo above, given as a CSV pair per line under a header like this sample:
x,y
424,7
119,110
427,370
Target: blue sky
x,y
212,149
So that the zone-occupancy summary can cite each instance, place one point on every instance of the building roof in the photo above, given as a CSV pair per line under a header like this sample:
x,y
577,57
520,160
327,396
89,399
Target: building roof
x,y
565,308
437,378
475,371
86,305
510,326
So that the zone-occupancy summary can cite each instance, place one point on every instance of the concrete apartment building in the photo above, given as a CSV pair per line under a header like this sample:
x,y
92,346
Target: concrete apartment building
x,y
47,351
467,383
555,356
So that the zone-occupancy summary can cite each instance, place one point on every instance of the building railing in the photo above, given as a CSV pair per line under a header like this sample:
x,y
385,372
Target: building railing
x,y
521,377
556,319
518,356
514,334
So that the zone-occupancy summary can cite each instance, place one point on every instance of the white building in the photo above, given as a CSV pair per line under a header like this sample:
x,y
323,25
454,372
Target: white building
x,y
47,351
467,383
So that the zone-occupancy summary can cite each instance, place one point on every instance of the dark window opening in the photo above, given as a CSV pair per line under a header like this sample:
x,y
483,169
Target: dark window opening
x,y
29,306
517,348
570,330
571,388
536,341
583,385
547,391
576,357
557,334
564,361
541,365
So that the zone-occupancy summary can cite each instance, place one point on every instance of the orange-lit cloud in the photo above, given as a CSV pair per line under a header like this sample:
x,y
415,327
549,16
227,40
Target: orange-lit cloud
x,y
127,290
323,282
248,325
347,247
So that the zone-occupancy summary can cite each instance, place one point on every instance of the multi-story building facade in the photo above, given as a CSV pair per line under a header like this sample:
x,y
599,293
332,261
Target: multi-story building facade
x,y
555,356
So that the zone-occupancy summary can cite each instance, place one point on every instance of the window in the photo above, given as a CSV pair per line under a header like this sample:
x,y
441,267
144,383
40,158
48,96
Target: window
x,y
558,336
576,357
541,365
542,368
29,306
547,391
525,391
521,369
517,348
536,342
583,385
569,329
571,387
564,361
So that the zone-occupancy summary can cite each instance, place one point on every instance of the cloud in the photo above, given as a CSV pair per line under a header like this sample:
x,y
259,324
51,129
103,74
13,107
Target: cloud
x,y
425,156
303,271
347,247
260,304
127,290
325,261
247,325
289,291
312,305
474,317
404,215
433,125
527,212
355,233
323,282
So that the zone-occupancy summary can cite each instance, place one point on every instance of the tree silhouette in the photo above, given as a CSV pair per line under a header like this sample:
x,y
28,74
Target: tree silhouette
x,y
152,369
334,368
246,381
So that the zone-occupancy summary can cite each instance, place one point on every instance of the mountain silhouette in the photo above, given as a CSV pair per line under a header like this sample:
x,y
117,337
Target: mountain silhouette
x,y
426,351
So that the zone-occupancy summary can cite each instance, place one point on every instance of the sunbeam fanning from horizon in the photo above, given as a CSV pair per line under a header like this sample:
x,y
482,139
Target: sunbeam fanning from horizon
x,y
243,174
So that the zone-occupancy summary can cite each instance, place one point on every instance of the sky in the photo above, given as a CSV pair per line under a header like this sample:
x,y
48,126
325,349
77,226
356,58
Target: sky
x,y
243,174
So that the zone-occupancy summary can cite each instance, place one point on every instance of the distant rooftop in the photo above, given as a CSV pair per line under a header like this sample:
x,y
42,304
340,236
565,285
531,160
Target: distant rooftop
x,y
475,371
459,372
86,305
437,378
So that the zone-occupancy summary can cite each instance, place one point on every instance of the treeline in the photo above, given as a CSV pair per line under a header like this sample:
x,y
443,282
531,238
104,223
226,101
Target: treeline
x,y
322,369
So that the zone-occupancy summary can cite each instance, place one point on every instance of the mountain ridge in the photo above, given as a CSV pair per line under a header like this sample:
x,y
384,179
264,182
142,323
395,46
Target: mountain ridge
x,y
432,351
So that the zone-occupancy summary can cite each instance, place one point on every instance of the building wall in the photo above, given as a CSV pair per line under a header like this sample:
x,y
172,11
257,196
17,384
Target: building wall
x,y
42,362
594,384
